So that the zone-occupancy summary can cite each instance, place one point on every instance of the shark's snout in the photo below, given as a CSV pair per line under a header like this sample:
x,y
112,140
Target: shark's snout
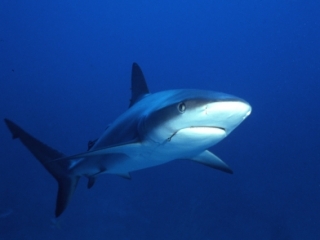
x,y
227,114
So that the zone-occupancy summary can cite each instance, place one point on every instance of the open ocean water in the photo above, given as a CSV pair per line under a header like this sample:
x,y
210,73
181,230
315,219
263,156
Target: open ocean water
x,y
65,70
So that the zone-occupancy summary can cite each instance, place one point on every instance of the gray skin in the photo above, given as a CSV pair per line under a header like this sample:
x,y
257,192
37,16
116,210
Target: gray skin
x,y
157,128
155,131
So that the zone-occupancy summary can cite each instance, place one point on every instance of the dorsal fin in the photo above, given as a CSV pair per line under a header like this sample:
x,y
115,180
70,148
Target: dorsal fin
x,y
139,86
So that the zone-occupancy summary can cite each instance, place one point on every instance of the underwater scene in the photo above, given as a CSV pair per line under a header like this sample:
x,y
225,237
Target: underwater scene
x,y
160,120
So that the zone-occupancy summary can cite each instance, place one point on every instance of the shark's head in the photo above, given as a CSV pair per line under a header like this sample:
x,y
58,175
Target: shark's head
x,y
193,118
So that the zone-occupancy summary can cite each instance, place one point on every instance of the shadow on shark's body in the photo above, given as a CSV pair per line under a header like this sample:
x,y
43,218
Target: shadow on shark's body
x,y
157,128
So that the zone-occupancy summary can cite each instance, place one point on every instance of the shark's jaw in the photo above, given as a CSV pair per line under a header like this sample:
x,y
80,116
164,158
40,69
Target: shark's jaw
x,y
196,133
191,141
201,122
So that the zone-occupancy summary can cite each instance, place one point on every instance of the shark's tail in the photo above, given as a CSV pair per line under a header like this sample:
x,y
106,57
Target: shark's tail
x,y
58,169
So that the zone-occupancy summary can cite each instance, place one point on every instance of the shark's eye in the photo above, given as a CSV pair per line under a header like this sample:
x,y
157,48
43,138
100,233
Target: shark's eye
x,y
181,107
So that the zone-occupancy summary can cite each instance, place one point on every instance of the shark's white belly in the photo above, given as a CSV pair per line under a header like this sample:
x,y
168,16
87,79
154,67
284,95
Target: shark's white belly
x,y
185,144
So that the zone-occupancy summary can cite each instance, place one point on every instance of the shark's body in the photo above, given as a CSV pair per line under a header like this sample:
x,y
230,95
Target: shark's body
x,y
157,128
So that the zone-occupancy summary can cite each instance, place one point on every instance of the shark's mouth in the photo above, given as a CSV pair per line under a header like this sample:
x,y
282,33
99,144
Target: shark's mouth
x,y
199,132
210,127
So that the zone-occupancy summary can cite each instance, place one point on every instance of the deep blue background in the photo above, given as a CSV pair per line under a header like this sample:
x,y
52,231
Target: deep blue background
x,y
65,69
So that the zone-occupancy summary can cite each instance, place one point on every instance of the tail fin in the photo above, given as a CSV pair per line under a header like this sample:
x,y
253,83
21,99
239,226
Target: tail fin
x,y
58,169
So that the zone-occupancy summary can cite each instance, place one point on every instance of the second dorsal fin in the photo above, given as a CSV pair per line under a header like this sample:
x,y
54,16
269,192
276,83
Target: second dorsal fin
x,y
139,86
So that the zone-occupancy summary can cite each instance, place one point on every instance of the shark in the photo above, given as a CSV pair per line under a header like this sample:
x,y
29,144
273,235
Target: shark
x,y
155,129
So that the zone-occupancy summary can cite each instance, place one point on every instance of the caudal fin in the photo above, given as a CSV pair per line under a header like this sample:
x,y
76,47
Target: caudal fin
x,y
58,169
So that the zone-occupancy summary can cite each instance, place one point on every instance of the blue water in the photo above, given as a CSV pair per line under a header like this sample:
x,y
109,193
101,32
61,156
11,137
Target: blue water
x,y
65,75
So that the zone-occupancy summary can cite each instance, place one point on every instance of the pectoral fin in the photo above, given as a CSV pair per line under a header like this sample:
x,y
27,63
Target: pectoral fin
x,y
209,159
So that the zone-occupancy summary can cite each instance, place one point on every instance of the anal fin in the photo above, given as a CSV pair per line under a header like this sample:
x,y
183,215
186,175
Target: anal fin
x,y
92,178
91,181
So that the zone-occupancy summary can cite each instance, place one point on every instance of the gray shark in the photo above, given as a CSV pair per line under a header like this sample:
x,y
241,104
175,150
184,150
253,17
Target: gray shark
x,y
155,129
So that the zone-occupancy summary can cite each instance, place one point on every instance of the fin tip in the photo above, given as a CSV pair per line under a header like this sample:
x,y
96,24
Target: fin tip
x,y
14,129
